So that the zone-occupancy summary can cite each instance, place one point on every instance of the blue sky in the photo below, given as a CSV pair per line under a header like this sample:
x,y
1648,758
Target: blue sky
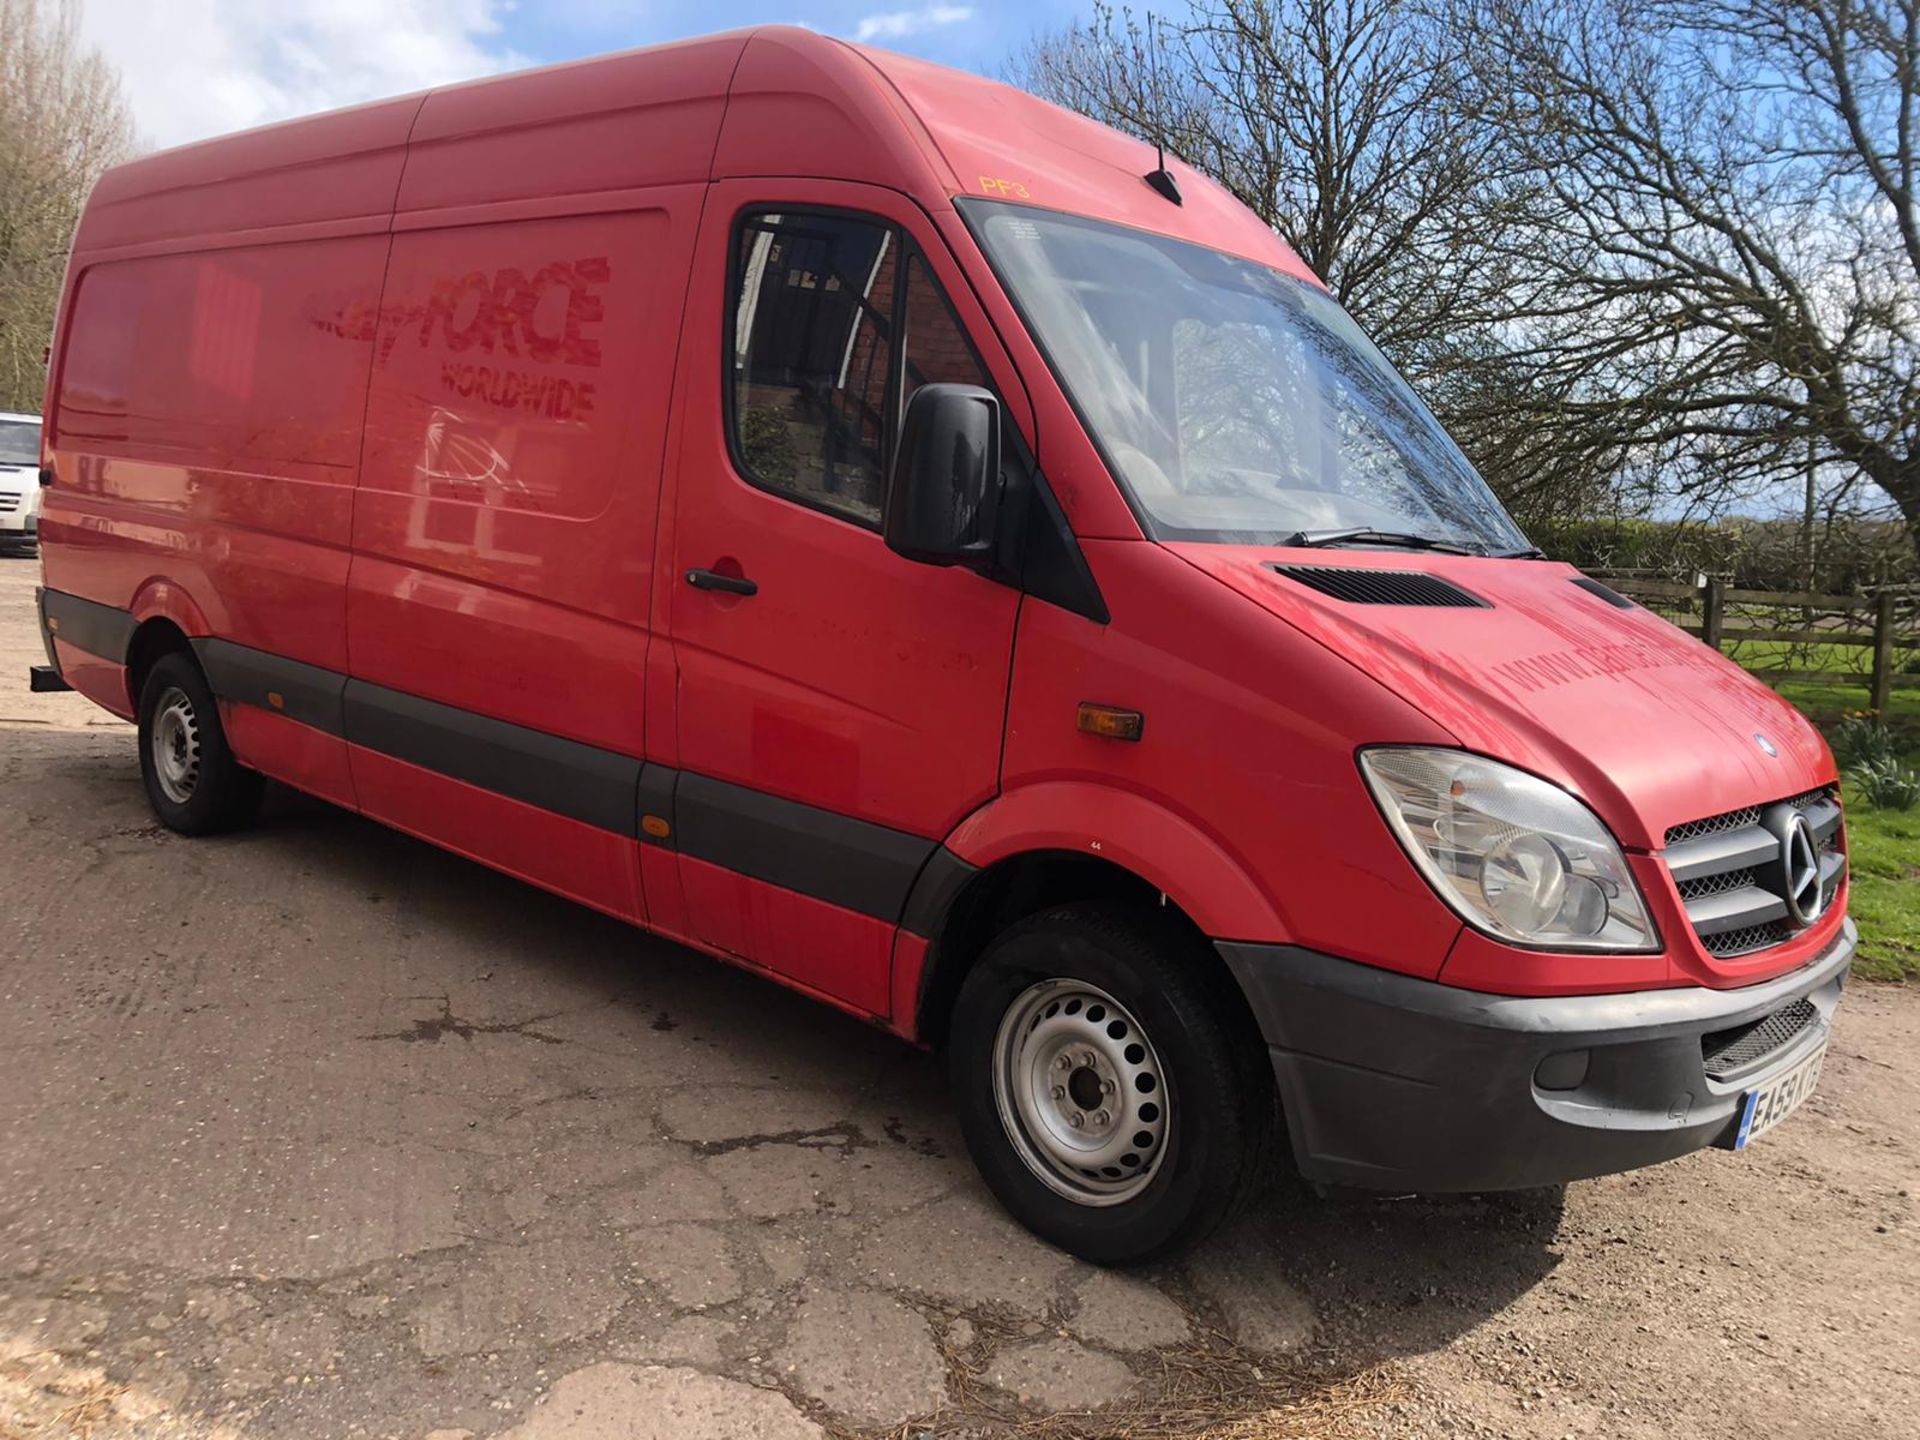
x,y
195,68
971,34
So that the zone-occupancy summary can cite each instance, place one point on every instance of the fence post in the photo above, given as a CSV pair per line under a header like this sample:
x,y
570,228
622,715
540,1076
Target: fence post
x,y
1713,611
1882,652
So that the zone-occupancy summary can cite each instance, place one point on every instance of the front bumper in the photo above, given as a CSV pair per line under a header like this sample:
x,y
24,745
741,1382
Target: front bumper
x,y
1397,1083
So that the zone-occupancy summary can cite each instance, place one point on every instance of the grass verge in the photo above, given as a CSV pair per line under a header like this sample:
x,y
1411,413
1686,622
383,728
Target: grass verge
x,y
1825,702
1884,851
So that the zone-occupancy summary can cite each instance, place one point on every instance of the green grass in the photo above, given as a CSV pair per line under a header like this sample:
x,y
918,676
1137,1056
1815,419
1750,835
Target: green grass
x,y
1884,850
1785,655
1824,702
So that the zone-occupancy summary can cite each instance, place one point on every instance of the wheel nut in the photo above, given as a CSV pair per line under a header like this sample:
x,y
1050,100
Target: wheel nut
x,y
1059,1092
1106,1087
1076,1120
1065,1062
1102,1118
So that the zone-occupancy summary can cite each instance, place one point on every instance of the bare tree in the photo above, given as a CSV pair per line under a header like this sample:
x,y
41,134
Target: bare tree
x,y
1630,250
1329,118
1343,124
1725,295
62,121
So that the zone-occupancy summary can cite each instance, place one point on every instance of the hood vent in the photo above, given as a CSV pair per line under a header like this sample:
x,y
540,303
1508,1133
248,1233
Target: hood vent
x,y
1612,597
1381,587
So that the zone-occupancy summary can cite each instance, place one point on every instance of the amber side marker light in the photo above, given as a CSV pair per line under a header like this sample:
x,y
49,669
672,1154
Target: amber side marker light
x,y
1109,722
655,826
276,700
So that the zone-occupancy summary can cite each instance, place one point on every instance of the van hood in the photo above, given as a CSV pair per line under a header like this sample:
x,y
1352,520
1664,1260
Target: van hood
x,y
1629,712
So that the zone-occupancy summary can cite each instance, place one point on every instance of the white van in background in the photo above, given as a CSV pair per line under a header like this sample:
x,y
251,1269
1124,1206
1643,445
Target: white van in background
x,y
19,481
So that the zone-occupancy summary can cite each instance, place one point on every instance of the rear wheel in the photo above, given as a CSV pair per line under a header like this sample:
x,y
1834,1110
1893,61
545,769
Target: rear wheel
x,y
193,782
1111,1095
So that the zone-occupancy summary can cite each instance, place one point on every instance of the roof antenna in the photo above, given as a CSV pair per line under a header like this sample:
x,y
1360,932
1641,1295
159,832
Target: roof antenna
x,y
1161,178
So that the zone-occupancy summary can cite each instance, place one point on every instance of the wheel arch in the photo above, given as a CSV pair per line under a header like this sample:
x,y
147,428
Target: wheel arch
x,y
1022,854
152,639
165,621
1134,832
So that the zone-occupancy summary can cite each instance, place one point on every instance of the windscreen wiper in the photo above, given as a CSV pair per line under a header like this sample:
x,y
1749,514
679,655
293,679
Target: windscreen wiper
x,y
1312,539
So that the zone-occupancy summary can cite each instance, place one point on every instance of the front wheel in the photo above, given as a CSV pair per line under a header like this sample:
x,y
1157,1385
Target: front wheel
x,y
1111,1095
193,782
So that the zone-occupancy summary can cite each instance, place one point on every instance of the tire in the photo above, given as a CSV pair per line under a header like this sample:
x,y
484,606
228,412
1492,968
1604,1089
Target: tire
x,y
193,782
1135,994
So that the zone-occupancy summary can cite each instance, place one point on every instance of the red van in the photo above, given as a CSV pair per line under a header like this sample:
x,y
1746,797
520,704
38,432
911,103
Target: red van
x,y
881,530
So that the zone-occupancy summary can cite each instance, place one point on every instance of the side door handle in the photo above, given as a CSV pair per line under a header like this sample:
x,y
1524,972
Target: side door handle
x,y
714,580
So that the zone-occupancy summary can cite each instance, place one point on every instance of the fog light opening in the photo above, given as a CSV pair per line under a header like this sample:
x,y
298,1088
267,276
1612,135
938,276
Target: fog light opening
x,y
1565,1071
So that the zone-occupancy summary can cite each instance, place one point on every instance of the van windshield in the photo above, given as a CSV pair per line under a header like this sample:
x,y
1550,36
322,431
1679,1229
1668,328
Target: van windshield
x,y
1235,404
19,442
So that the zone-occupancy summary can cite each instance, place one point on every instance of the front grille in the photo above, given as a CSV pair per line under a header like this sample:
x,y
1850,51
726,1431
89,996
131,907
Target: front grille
x,y
1716,884
1713,825
1739,819
1729,871
1728,1052
1746,940
8,503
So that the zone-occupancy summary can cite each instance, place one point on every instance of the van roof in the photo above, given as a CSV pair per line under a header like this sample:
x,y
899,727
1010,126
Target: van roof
x,y
772,101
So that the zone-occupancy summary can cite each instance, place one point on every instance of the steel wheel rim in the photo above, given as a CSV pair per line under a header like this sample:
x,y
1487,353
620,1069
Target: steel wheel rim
x,y
1067,1049
176,746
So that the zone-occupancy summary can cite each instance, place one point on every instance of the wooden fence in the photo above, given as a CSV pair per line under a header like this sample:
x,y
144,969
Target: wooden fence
x,y
1883,628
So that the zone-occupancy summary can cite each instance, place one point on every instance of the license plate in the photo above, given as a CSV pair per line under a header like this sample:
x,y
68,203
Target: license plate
x,y
1762,1109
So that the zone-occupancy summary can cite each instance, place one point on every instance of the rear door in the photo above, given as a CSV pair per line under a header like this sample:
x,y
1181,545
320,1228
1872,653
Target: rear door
x,y
838,708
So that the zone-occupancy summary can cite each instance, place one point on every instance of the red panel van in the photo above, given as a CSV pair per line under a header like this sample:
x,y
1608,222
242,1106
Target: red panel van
x,y
881,530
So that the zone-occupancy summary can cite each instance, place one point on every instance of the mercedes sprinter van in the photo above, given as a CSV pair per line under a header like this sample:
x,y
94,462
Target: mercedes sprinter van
x,y
881,530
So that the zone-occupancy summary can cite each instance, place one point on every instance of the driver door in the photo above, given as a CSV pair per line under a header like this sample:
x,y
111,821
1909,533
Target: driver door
x,y
838,708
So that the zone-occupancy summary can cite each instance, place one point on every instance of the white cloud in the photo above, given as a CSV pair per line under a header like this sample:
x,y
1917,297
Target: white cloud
x,y
194,68
895,24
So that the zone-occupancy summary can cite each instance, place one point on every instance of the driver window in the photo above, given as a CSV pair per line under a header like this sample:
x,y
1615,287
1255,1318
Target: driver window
x,y
812,369
837,320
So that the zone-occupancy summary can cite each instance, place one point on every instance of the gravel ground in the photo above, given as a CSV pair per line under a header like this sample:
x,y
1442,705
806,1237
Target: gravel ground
x,y
319,1132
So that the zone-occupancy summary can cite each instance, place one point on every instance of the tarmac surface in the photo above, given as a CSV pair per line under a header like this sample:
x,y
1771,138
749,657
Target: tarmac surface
x,y
317,1131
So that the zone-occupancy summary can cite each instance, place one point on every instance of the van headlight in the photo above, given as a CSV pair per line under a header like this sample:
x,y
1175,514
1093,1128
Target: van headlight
x,y
1517,857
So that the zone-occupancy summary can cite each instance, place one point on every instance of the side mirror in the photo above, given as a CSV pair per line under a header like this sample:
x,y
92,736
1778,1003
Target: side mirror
x,y
944,492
